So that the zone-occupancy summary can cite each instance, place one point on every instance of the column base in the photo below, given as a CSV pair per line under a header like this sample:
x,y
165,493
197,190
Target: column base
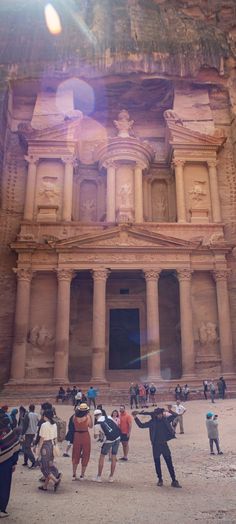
x,y
60,381
98,380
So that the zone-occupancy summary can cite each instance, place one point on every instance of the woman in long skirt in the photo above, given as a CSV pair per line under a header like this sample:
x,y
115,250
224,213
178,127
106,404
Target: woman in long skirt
x,y
81,441
48,437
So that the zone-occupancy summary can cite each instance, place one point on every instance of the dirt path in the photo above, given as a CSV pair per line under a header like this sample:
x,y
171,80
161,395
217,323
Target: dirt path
x,y
209,482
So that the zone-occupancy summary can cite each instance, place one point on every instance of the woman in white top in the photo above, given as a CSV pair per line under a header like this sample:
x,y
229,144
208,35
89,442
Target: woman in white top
x,y
48,437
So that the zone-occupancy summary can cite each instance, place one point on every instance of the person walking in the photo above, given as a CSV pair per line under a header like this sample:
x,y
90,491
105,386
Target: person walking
x,y
30,427
160,432
125,428
107,433
212,390
179,409
205,388
133,396
91,396
9,450
82,421
48,439
213,432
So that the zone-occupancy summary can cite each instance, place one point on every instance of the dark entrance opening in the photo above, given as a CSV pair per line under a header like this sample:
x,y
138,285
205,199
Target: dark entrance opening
x,y
124,340
170,338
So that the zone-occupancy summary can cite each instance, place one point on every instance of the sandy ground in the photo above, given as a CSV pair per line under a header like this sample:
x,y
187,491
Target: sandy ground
x,y
207,495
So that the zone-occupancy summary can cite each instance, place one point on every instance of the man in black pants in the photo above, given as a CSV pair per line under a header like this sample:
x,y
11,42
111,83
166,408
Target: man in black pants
x,y
160,432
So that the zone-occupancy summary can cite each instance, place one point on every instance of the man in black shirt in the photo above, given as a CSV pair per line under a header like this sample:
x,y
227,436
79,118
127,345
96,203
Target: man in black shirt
x,y
160,431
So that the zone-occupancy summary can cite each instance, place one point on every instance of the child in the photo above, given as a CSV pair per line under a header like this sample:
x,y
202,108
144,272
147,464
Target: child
x,y
213,433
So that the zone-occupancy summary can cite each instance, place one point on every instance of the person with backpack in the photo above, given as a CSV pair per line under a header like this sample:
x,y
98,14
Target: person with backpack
x,y
107,433
161,432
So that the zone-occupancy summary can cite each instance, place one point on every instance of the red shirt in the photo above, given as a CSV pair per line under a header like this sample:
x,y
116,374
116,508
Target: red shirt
x,y
125,422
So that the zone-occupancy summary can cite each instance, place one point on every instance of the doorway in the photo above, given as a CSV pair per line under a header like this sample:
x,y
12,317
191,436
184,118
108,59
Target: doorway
x,y
124,339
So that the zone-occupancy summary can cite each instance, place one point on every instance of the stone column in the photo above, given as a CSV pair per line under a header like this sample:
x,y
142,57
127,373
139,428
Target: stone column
x,y
186,321
68,190
24,277
111,192
180,191
153,333
225,328
138,194
30,188
61,357
215,198
99,325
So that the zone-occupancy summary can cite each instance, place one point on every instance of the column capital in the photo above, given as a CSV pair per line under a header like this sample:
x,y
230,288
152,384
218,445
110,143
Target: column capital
x,y
109,163
23,274
221,274
100,274
65,274
176,162
152,274
69,160
184,274
139,165
212,163
31,159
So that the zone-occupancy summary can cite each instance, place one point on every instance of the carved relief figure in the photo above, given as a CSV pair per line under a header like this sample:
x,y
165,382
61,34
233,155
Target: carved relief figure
x,y
208,333
123,124
49,191
198,191
125,195
40,337
89,210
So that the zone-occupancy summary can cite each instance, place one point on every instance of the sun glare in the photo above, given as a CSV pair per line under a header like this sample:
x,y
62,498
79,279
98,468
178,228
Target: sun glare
x,y
52,20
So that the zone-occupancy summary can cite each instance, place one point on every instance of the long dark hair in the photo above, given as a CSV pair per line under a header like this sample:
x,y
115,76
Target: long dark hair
x,y
48,413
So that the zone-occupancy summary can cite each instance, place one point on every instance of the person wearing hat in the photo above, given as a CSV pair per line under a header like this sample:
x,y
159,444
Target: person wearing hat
x,y
81,442
161,432
9,449
213,432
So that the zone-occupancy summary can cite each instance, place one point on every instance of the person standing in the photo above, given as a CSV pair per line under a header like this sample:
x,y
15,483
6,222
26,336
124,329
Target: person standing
x,y
213,432
48,438
152,391
30,428
179,409
160,432
91,396
69,435
9,450
221,384
212,390
178,392
125,428
205,388
186,392
82,421
13,418
133,396
106,432
142,396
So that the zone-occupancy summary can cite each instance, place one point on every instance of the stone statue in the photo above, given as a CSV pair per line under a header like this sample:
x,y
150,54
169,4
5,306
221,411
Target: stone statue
x,y
123,124
198,191
208,333
88,209
160,206
125,194
40,336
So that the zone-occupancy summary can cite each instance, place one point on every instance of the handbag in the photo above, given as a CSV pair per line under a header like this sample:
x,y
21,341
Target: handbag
x,y
55,449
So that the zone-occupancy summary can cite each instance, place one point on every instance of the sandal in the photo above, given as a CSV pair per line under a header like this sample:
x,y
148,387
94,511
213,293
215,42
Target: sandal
x,y
42,488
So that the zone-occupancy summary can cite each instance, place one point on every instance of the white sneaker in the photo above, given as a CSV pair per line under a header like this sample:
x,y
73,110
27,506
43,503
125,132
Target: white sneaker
x,y
81,478
110,479
74,478
97,479
3,514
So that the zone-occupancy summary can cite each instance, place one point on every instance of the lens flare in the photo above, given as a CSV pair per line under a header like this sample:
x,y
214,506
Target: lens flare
x,y
53,21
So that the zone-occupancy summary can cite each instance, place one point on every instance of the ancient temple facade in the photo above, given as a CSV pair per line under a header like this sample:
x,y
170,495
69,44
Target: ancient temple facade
x,y
118,215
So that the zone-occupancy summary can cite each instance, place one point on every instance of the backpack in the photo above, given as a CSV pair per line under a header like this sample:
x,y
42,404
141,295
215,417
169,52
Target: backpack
x,y
61,428
110,429
152,390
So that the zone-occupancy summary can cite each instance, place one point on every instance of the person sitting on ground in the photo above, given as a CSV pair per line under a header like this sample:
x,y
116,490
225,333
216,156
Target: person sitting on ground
x,y
107,433
161,432
213,432
82,421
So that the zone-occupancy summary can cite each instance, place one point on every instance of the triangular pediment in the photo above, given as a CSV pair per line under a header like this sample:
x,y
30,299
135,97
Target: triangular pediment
x,y
180,135
122,237
70,129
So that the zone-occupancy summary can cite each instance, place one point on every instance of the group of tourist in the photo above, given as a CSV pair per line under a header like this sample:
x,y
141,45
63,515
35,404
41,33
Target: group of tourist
x,y
75,395
210,387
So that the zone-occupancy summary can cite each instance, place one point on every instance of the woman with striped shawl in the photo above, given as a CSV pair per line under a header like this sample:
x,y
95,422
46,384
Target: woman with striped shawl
x,y
9,449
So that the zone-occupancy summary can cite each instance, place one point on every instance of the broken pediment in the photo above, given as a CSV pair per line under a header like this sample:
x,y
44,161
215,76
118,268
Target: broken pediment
x,y
180,135
69,129
123,237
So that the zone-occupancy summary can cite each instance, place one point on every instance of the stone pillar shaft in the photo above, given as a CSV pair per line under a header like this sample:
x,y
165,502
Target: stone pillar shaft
x,y
111,193
153,334
225,328
30,189
215,198
186,320
62,325
21,327
99,325
180,190
138,194
68,191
